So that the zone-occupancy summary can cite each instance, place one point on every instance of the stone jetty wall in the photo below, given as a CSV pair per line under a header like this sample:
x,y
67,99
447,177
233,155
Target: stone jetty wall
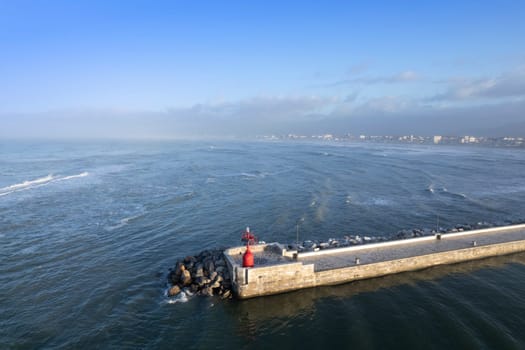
x,y
293,275
358,272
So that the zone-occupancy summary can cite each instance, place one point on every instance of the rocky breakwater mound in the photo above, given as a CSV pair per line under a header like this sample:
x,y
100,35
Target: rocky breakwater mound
x,y
204,274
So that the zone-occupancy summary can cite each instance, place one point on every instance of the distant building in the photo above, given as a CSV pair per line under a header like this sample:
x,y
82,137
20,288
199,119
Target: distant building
x,y
507,141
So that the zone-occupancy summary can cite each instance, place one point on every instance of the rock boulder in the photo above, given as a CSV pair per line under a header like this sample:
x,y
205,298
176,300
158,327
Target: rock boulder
x,y
185,278
174,291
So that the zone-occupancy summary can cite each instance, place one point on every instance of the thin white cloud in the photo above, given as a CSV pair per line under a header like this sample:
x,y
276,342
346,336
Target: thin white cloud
x,y
351,97
507,85
359,68
406,76
401,77
389,104
265,107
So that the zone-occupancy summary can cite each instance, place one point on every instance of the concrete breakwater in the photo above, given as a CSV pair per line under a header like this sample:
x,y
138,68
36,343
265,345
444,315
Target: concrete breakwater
x,y
281,270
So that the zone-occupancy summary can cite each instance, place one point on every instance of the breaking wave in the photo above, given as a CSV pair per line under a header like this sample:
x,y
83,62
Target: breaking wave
x,y
444,191
254,175
183,297
39,182
84,174
28,183
379,202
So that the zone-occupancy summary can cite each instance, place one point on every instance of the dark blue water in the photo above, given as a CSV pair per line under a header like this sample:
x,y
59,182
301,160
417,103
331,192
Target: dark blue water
x,y
89,230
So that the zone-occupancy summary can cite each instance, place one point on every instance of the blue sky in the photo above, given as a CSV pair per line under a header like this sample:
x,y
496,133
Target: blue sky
x,y
190,68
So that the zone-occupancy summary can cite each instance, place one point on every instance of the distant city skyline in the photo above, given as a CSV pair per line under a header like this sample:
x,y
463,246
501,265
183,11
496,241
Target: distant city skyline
x,y
173,69
506,141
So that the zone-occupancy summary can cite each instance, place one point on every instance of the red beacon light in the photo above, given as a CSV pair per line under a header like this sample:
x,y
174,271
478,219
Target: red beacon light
x,y
250,239
247,258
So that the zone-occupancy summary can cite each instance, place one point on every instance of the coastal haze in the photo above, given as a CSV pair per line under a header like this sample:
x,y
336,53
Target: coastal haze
x,y
134,134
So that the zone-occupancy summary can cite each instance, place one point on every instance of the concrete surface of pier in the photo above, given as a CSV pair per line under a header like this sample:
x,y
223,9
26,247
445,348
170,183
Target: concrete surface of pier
x,y
278,270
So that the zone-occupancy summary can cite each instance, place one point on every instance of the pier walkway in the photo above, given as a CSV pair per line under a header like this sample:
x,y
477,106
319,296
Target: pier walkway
x,y
380,252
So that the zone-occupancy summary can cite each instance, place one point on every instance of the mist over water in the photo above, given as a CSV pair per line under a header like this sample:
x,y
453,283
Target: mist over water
x,y
89,230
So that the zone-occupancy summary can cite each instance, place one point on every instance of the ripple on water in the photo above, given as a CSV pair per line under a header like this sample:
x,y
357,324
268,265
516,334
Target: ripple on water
x,y
81,256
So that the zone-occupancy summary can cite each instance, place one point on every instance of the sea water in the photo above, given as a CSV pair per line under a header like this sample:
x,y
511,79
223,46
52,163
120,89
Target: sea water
x,y
88,231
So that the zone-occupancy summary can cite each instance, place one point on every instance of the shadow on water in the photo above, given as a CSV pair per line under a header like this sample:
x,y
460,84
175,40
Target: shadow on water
x,y
302,302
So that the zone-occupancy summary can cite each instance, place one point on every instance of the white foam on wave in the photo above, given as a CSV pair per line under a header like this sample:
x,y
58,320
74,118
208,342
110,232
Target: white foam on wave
x,y
252,176
382,202
27,183
182,297
28,250
122,222
84,174
39,182
255,175
457,194
444,191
